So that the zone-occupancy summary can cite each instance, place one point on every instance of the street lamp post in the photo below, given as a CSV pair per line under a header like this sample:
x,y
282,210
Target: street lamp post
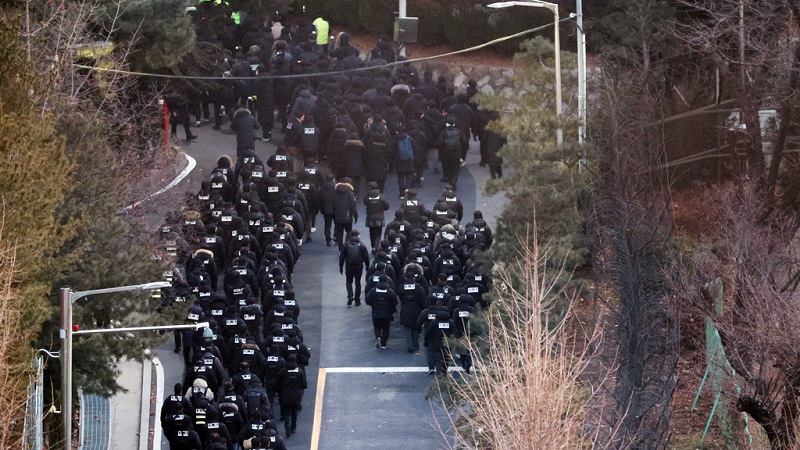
x,y
581,72
556,45
67,298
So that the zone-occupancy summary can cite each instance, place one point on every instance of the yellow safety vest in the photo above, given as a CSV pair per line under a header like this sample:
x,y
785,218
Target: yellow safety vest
x,y
322,31
236,17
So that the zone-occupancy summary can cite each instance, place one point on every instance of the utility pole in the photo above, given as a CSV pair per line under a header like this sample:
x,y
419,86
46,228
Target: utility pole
x,y
401,13
581,71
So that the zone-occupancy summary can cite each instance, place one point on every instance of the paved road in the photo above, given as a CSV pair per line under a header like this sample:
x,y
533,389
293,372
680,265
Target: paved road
x,y
369,398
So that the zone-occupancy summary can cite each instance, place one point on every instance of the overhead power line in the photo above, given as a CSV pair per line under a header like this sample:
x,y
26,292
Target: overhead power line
x,y
323,74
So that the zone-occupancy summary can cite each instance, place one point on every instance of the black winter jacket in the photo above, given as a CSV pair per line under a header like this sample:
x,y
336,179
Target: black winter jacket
x,y
412,300
245,126
344,204
376,204
383,301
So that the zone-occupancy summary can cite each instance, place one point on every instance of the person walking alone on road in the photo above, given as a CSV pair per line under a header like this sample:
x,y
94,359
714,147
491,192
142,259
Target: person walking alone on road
x,y
352,257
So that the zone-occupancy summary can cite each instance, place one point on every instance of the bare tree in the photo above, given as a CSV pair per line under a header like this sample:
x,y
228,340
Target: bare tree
x,y
760,320
754,47
74,43
13,373
629,229
528,390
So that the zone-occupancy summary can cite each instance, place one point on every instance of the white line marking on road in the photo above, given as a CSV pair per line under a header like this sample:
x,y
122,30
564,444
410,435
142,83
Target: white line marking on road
x,y
403,369
189,167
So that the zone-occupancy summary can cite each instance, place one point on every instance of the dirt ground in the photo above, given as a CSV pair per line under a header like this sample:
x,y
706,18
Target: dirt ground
x,y
483,57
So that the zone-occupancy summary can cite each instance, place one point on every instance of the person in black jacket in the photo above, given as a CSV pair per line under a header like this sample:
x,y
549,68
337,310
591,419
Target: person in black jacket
x,y
451,142
435,333
344,49
412,301
265,102
494,142
383,301
464,121
377,154
352,257
293,383
354,162
345,213
245,126
326,196
179,115
376,204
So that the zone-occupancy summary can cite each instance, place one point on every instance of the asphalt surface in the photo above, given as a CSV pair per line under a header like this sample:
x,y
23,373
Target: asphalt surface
x,y
370,398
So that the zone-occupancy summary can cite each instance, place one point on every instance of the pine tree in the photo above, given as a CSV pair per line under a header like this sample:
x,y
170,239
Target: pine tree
x,y
544,182
33,177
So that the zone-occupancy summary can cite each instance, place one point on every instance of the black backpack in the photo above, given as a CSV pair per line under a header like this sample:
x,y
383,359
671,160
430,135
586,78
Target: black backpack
x,y
353,253
452,140
253,400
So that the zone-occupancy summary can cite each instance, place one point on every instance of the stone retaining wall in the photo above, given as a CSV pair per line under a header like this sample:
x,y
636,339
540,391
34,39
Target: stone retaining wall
x,y
489,79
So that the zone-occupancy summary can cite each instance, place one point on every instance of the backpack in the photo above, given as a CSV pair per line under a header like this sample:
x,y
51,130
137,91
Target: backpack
x,y
452,140
353,253
405,151
253,400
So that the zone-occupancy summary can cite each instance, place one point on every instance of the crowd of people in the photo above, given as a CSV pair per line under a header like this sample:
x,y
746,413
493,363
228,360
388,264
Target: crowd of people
x,y
237,241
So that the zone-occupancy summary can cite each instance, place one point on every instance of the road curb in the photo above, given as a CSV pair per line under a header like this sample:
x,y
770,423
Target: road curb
x,y
156,404
152,397
146,407
190,165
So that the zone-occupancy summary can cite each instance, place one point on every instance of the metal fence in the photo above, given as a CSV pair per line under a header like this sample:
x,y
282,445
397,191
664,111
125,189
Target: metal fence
x,y
34,410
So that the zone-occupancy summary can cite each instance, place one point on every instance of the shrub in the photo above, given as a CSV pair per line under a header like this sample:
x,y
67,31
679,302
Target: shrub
x,y
513,20
377,16
467,27
432,21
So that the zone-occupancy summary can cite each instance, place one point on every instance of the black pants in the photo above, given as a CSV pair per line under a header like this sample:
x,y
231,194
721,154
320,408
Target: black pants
x,y
381,327
283,109
466,361
313,210
404,181
375,237
450,168
353,277
186,126
327,228
289,414
340,231
266,118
